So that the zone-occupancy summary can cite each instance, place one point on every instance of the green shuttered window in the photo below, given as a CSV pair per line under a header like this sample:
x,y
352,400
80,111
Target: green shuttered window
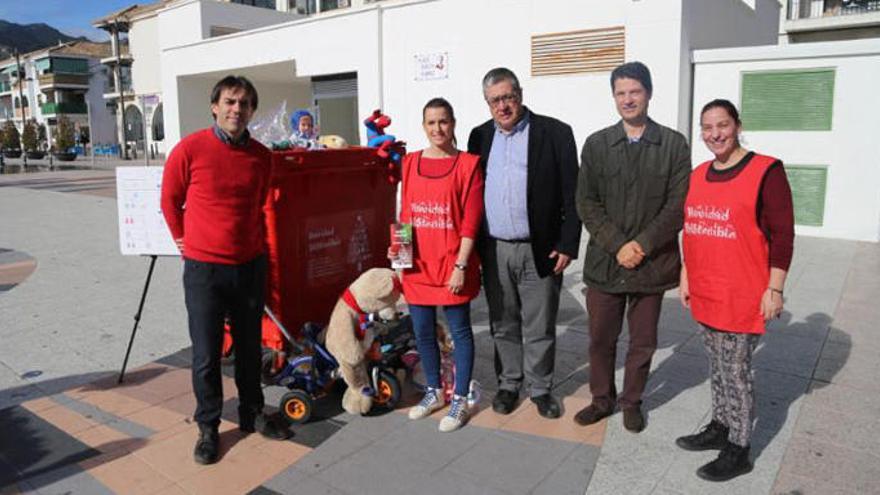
x,y
791,100
808,193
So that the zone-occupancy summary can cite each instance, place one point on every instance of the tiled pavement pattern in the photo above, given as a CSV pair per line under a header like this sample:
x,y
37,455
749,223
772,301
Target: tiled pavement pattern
x,y
67,429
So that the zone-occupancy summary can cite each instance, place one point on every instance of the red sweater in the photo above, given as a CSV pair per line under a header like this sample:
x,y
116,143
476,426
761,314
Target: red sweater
x,y
213,195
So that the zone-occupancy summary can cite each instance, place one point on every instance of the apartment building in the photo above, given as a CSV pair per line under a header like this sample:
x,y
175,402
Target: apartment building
x,y
807,21
67,79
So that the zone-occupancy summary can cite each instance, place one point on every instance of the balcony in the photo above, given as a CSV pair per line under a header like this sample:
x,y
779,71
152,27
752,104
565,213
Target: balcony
x,y
125,57
110,92
812,9
48,81
823,15
67,107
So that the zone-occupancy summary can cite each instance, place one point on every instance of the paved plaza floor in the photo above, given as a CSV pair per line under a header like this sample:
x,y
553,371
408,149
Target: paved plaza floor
x,y
67,298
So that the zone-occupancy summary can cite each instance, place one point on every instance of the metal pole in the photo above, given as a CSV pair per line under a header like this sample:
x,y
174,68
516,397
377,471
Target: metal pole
x,y
20,102
91,131
117,73
137,316
144,118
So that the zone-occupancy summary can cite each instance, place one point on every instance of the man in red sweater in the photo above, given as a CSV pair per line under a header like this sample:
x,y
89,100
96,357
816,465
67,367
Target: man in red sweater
x,y
213,189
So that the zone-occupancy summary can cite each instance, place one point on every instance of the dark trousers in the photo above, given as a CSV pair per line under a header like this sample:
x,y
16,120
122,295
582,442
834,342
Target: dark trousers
x,y
606,312
212,292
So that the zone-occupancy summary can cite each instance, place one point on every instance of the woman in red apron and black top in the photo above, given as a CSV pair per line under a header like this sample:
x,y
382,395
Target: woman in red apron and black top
x,y
442,197
737,240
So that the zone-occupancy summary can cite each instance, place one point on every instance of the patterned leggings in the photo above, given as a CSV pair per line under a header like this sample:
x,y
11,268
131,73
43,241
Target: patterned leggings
x,y
733,396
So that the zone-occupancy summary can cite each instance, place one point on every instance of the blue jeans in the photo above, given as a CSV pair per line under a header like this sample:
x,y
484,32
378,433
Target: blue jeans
x,y
424,320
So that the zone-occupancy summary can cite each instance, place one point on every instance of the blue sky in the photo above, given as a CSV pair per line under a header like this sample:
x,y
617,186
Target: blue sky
x,y
72,17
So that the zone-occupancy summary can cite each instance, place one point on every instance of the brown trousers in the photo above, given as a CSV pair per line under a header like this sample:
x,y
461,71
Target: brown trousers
x,y
606,322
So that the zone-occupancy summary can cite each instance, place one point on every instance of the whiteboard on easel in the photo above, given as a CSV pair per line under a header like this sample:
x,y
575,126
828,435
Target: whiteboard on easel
x,y
142,228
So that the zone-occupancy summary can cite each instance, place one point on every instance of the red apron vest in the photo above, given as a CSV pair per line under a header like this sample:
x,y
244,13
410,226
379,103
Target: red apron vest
x,y
435,207
726,254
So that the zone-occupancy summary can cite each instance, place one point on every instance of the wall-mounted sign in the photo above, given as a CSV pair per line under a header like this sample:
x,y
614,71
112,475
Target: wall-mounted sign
x,y
431,66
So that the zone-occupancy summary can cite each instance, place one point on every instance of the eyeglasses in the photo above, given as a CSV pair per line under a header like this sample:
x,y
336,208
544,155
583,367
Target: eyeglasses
x,y
505,99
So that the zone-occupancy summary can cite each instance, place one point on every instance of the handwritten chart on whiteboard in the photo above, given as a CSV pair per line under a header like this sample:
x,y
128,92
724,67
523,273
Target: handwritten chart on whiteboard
x,y
142,228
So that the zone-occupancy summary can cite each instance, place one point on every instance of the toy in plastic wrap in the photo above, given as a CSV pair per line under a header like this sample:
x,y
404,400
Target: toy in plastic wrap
x,y
389,146
271,128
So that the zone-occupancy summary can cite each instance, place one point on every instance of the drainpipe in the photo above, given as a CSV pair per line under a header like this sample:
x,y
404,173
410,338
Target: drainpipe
x,y
117,80
21,80
381,57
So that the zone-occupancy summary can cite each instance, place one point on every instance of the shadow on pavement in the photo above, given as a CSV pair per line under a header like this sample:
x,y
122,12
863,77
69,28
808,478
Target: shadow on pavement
x,y
34,451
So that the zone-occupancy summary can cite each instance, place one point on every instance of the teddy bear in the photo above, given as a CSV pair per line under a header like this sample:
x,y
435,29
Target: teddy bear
x,y
333,142
349,337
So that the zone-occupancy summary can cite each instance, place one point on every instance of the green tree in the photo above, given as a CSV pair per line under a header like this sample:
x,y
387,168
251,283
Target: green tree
x,y
64,139
29,136
11,137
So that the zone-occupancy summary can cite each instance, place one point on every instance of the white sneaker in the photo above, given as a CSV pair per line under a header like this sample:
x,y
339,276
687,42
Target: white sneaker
x,y
457,415
429,403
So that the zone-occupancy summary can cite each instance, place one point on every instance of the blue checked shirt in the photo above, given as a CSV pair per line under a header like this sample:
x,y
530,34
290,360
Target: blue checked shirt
x,y
507,215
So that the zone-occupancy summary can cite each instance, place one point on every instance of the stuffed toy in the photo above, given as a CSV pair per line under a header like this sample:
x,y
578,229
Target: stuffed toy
x,y
333,142
376,137
349,337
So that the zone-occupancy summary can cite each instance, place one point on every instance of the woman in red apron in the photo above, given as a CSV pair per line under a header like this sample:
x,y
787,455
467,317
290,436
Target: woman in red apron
x,y
737,240
442,197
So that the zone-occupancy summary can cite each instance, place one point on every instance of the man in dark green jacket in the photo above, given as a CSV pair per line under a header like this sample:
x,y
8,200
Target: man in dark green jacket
x,y
631,188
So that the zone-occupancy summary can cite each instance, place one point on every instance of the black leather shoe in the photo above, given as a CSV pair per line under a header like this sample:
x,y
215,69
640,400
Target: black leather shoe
x,y
270,427
207,449
713,436
548,406
733,461
633,419
505,401
591,414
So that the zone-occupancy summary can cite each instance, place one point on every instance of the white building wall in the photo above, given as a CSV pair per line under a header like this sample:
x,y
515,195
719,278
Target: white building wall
x,y
852,204
237,16
349,40
720,24
179,24
144,46
484,38
349,36
477,36
102,127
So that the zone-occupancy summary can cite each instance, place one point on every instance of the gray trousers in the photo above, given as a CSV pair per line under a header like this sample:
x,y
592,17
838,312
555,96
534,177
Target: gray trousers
x,y
733,395
522,314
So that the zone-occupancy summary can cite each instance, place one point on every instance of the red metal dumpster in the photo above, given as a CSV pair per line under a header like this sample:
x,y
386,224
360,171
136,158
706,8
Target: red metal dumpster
x,y
327,219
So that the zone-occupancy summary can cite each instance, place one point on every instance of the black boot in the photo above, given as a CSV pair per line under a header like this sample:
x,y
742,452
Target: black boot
x,y
731,462
713,436
271,427
207,449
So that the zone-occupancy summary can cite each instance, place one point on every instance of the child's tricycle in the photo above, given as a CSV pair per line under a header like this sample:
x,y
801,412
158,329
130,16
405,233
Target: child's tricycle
x,y
313,372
